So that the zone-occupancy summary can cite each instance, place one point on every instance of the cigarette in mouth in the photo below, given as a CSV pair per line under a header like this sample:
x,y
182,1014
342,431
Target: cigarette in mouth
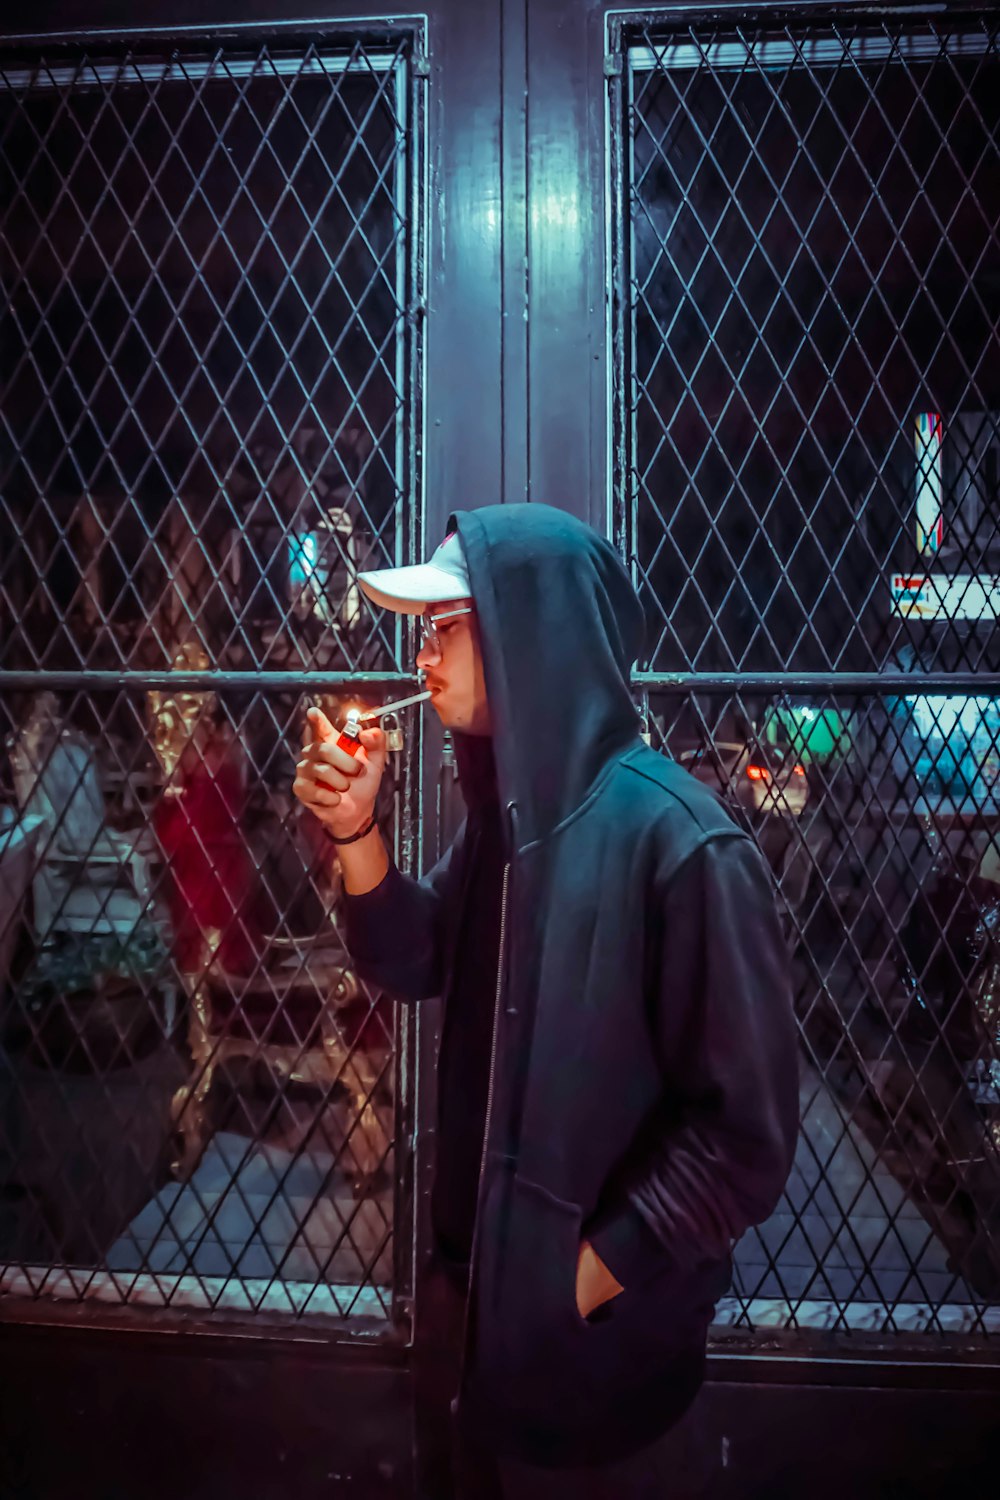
x,y
388,708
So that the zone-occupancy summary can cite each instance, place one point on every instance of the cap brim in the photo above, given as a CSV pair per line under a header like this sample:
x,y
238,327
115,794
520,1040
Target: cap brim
x,y
408,590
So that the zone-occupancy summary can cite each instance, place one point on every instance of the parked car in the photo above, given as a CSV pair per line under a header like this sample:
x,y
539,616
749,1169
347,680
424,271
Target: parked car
x,y
761,779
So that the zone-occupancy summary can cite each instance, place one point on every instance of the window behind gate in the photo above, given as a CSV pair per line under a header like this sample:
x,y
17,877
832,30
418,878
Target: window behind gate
x,y
209,348
806,257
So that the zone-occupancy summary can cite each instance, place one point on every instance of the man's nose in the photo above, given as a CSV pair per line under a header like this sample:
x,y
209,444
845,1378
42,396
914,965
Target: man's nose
x,y
425,656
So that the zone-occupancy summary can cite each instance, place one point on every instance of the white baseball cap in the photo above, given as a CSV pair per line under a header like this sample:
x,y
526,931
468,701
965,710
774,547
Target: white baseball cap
x,y
408,590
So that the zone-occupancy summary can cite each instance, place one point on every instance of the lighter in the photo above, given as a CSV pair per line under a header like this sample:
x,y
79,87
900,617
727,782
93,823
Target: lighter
x,y
350,736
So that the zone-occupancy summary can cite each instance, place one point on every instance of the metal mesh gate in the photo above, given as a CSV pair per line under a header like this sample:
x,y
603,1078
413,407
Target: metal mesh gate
x,y
210,349
806,262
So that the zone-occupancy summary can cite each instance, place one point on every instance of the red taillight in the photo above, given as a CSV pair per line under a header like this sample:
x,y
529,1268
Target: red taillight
x,y
757,773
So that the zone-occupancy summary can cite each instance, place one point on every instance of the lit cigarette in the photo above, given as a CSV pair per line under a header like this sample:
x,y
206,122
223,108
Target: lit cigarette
x,y
349,738
388,708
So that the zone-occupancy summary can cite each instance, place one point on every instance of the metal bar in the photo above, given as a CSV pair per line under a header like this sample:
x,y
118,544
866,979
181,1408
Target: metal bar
x,y
213,681
617,230
410,200
323,26
815,52
813,1363
97,75
982,684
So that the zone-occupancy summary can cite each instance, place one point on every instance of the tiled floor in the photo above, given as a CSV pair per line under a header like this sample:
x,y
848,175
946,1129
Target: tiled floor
x,y
258,1210
842,1217
844,1232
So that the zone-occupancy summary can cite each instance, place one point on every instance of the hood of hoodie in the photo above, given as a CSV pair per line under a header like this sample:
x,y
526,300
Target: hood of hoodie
x,y
561,627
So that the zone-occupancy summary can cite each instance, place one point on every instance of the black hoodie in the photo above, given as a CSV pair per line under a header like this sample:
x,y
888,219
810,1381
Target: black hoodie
x,y
644,1079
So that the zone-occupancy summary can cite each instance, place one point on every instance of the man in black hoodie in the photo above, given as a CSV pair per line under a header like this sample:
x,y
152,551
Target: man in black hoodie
x,y
617,1085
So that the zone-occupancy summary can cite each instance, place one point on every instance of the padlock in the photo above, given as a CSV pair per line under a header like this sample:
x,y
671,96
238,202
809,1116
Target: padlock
x,y
393,733
645,733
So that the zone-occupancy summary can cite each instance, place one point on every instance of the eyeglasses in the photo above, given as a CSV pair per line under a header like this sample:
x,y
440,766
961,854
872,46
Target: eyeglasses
x,y
429,624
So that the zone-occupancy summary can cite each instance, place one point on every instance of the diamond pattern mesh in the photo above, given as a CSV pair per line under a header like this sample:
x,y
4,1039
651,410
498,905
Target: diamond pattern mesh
x,y
813,266
808,402
209,328
890,896
204,348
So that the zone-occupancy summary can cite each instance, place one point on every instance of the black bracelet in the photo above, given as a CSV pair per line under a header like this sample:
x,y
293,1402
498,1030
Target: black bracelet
x,y
354,836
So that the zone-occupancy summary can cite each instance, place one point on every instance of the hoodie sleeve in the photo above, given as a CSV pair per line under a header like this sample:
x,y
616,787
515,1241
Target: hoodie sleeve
x,y
724,1029
395,933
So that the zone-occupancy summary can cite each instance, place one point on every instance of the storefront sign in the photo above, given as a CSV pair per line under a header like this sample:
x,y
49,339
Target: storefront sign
x,y
945,596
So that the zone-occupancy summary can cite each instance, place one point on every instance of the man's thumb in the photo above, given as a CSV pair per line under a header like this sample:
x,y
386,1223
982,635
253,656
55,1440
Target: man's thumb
x,y
373,740
320,725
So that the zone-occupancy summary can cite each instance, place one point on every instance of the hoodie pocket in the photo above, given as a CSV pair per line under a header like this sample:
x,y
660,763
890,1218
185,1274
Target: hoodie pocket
x,y
536,1365
530,1334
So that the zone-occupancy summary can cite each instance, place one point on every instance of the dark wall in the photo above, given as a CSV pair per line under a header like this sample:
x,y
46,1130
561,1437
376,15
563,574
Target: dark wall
x,y
98,1416
115,1417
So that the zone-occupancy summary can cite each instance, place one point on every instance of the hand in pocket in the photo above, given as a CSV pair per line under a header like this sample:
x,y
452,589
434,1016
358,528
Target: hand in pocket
x,y
595,1284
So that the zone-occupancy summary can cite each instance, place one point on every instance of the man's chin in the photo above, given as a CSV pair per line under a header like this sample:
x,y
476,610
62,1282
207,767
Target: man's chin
x,y
453,719
453,722
441,709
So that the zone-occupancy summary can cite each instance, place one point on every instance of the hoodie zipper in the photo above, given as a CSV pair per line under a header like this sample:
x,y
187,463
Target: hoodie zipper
x,y
496,1028
501,957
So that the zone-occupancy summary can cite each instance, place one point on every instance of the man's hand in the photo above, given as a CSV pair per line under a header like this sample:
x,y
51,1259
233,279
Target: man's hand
x,y
340,789
594,1282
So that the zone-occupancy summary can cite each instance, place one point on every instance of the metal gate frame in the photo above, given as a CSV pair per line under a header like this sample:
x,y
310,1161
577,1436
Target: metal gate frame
x,y
675,688
408,35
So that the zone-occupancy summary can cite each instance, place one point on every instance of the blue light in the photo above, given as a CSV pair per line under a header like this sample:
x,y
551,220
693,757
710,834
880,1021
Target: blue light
x,y
942,716
958,745
303,550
